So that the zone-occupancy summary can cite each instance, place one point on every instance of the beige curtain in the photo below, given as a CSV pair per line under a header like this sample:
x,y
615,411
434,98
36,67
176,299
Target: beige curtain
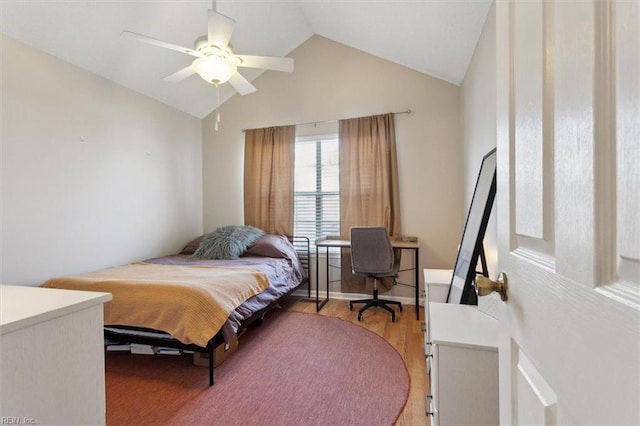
x,y
369,192
268,179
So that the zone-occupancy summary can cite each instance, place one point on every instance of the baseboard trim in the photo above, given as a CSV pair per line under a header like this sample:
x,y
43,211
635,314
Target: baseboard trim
x,y
335,295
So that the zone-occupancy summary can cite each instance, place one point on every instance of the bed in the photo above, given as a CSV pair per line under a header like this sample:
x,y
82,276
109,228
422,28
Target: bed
x,y
197,300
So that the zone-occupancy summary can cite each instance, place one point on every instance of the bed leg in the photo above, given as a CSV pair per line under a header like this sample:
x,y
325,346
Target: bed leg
x,y
211,354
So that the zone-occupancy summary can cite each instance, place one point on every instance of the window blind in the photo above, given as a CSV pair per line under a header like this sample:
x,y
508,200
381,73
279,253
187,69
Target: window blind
x,y
316,187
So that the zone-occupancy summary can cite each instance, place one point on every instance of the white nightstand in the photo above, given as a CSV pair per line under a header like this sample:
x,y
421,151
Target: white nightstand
x,y
436,288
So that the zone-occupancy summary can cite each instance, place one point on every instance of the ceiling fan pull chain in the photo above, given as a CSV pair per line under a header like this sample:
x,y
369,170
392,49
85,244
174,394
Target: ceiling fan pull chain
x,y
217,107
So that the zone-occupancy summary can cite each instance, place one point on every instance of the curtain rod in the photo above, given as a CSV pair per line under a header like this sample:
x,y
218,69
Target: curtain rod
x,y
335,121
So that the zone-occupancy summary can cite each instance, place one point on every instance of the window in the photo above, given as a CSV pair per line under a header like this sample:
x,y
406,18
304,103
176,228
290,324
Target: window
x,y
317,187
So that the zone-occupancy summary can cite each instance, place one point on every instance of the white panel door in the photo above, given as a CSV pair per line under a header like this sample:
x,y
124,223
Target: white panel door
x,y
568,198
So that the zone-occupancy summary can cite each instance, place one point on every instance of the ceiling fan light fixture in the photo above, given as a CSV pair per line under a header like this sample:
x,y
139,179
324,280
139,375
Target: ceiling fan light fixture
x,y
215,69
215,61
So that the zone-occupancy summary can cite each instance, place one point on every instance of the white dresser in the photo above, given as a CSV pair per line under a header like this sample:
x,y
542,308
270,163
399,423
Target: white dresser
x,y
51,356
461,348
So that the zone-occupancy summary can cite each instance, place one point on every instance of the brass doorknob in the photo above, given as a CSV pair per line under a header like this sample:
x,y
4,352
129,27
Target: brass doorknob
x,y
485,286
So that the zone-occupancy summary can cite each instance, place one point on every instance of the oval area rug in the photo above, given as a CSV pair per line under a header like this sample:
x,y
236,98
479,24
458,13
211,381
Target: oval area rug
x,y
295,369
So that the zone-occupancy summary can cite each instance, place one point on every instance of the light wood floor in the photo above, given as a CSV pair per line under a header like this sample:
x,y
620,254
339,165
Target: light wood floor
x,y
405,335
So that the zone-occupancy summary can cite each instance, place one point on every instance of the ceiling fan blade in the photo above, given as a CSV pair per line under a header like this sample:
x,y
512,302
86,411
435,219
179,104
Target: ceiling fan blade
x,y
220,29
160,43
266,62
241,84
180,75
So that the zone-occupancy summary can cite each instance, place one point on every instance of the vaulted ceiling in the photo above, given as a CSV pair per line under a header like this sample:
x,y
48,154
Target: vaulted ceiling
x,y
436,37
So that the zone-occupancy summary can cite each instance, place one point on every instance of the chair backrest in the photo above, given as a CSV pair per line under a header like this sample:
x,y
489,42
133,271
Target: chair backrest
x,y
371,251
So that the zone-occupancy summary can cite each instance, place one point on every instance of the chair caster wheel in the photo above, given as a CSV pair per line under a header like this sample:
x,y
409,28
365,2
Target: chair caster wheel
x,y
400,306
359,317
393,318
350,306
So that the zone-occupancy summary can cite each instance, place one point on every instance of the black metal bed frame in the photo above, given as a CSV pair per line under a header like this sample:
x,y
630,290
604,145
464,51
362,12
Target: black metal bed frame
x,y
122,334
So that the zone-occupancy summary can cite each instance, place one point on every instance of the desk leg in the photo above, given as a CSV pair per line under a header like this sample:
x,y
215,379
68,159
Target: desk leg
x,y
320,304
317,281
416,278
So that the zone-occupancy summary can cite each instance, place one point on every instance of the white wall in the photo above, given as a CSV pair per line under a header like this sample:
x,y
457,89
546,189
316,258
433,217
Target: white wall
x,y
479,94
333,81
93,174
479,98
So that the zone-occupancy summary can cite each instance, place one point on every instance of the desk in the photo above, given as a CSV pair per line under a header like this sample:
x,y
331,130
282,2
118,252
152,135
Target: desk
x,y
327,243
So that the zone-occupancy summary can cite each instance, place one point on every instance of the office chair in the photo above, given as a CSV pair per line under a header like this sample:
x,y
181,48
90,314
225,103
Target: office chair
x,y
373,257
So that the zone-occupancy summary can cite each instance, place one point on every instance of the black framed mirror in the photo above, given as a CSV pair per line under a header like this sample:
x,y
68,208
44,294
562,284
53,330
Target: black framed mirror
x,y
461,290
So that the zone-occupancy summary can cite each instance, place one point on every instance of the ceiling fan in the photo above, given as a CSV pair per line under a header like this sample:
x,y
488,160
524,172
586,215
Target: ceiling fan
x,y
215,61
